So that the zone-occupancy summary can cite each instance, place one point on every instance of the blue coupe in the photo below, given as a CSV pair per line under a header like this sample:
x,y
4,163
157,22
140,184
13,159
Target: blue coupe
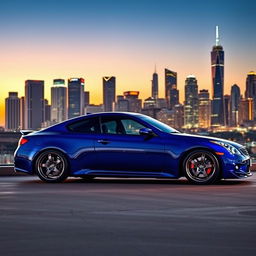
x,y
120,144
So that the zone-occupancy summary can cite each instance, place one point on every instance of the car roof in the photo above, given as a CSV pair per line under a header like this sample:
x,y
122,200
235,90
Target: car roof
x,y
67,122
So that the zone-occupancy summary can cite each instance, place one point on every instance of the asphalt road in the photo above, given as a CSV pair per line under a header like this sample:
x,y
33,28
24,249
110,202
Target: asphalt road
x,y
126,217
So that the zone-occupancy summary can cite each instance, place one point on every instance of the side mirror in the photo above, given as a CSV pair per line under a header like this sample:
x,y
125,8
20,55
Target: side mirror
x,y
146,132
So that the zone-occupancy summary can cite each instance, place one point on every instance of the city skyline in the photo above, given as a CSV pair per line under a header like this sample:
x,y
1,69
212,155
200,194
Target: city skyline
x,y
44,52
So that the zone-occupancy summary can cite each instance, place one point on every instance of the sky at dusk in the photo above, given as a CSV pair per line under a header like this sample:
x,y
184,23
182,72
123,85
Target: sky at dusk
x,y
61,39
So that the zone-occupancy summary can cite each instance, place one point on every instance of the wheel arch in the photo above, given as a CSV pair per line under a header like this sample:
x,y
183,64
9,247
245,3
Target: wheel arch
x,y
46,149
187,152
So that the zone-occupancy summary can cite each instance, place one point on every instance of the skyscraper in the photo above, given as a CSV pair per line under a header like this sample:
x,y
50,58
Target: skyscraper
x,y
246,111
12,112
154,93
250,91
47,111
171,91
34,104
59,101
75,97
22,113
204,109
227,109
234,104
86,98
109,92
217,65
191,102
178,116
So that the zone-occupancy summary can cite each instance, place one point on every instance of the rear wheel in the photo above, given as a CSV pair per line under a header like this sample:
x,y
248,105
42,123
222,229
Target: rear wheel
x,y
201,167
51,166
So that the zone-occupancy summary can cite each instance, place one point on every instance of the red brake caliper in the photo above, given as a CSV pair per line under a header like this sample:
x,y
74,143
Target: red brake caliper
x,y
192,166
209,170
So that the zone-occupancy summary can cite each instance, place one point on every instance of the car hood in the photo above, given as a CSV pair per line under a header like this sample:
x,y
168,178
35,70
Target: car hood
x,y
206,138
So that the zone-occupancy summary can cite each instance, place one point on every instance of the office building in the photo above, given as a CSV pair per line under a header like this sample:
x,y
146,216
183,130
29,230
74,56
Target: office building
x,y
121,104
86,98
178,116
109,92
154,91
75,97
204,109
34,104
47,111
149,103
59,101
22,113
250,91
227,113
191,102
133,100
234,105
217,66
246,111
171,91
12,112
92,108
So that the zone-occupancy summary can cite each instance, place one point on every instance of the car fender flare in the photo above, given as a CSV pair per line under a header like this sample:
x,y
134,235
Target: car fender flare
x,y
49,148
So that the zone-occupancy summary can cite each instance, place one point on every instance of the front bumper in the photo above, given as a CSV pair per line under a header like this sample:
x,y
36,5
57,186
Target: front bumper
x,y
237,167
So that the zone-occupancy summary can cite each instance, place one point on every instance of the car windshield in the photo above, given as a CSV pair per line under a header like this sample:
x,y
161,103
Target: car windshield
x,y
159,125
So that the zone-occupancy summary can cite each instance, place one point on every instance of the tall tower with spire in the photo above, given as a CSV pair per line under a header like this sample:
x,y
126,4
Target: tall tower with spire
x,y
217,65
154,93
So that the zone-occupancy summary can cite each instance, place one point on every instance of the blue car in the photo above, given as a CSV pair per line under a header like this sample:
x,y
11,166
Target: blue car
x,y
120,144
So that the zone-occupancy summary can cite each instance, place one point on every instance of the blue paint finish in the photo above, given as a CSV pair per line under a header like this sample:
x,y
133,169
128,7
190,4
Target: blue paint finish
x,y
126,155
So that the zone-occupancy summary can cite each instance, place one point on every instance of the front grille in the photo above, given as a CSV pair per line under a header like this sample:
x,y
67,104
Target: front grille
x,y
244,151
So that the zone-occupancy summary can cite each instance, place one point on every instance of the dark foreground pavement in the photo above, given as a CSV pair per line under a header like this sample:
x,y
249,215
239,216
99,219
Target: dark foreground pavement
x,y
126,217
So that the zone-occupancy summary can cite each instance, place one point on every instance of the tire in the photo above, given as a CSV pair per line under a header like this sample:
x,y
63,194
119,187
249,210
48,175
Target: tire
x,y
201,167
51,166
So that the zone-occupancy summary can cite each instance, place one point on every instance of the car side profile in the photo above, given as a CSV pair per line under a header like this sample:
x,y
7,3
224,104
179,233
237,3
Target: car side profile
x,y
118,144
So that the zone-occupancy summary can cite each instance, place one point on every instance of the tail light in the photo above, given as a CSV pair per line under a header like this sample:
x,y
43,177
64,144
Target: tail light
x,y
23,141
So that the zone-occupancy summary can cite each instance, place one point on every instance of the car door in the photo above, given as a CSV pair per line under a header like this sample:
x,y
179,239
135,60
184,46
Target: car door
x,y
82,135
121,147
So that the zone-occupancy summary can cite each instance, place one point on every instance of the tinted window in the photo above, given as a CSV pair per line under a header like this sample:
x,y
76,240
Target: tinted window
x,y
88,125
111,125
159,125
131,127
119,125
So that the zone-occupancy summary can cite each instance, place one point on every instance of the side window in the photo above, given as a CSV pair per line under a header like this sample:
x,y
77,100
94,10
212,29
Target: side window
x,y
131,127
88,125
111,125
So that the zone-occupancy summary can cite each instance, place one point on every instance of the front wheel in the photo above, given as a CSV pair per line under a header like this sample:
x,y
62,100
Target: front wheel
x,y
201,167
51,166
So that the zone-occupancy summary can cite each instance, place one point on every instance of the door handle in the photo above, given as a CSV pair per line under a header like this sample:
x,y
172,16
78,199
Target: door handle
x,y
104,142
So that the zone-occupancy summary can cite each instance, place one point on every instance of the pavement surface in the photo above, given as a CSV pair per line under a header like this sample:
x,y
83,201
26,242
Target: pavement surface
x,y
126,217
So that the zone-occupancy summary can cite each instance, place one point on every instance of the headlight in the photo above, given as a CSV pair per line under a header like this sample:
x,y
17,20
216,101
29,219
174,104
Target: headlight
x,y
229,147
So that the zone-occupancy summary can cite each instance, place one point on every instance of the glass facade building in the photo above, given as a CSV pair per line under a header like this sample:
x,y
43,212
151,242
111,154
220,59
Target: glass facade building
x,y
234,104
204,109
191,102
217,65
171,91
154,93
59,101
109,92
12,112
34,104
250,91
75,97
